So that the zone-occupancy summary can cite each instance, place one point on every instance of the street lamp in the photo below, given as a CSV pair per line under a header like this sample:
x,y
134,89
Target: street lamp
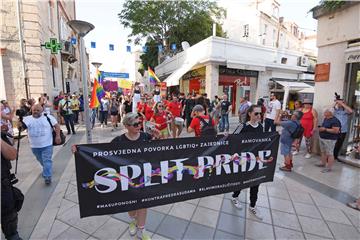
x,y
96,64
82,28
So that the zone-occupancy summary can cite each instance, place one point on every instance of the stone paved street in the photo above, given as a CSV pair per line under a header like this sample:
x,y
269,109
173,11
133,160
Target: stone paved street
x,y
300,205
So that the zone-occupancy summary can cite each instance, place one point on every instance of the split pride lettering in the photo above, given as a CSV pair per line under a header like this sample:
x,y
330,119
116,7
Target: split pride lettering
x,y
115,177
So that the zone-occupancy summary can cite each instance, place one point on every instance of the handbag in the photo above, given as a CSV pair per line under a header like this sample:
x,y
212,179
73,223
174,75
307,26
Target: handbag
x,y
18,198
62,135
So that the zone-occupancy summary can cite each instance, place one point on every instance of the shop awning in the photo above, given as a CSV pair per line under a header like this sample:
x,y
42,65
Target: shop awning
x,y
173,79
294,85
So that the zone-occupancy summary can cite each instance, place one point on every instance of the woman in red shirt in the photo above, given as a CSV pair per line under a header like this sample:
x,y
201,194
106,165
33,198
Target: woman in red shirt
x,y
160,119
309,121
175,108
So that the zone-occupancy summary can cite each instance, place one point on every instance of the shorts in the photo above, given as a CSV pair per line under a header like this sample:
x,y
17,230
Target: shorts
x,y
164,132
285,149
327,146
114,113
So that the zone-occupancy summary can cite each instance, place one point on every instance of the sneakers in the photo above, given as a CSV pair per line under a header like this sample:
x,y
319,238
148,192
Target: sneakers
x,y
132,228
236,202
254,211
47,181
142,234
295,153
325,170
285,168
308,155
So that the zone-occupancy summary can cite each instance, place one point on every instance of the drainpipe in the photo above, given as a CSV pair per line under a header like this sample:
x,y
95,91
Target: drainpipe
x,y
61,62
21,40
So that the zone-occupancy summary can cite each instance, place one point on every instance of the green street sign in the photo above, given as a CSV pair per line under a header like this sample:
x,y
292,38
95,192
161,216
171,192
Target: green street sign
x,y
53,45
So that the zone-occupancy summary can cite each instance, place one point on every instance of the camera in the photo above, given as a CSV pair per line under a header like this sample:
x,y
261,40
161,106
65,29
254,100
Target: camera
x,y
337,97
20,113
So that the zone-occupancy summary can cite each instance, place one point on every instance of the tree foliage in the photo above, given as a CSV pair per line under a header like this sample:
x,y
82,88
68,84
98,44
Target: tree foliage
x,y
168,22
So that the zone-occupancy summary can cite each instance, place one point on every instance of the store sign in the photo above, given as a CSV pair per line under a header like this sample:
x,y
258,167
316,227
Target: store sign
x,y
352,57
200,72
237,72
322,72
115,75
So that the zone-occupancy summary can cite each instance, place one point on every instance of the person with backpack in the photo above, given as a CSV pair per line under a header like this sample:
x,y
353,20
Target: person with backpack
x,y
252,125
291,129
201,124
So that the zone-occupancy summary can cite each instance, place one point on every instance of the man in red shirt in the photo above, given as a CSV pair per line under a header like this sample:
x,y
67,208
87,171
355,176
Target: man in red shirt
x,y
196,123
175,108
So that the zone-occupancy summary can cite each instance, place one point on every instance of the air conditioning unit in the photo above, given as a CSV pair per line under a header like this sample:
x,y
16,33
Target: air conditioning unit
x,y
68,52
68,48
303,61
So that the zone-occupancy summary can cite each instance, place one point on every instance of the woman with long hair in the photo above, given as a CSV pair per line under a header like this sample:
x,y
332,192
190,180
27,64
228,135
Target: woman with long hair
x,y
252,125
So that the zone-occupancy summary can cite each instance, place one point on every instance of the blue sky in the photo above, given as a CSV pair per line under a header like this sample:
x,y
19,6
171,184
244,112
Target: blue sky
x,y
103,14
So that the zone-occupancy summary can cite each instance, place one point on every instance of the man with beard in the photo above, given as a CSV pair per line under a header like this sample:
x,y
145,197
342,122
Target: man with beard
x,y
41,139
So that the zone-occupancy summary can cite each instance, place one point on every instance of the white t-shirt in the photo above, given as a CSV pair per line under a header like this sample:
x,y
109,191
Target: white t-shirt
x,y
66,106
39,130
272,108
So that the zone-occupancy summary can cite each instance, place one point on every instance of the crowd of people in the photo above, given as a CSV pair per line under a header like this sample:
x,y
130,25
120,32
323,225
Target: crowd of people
x,y
150,115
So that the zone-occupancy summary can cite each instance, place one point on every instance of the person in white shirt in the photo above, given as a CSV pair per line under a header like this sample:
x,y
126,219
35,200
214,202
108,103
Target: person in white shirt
x,y
65,108
104,110
41,138
272,111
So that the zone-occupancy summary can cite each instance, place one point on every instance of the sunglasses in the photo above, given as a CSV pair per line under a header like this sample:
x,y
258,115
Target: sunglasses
x,y
160,106
257,113
135,125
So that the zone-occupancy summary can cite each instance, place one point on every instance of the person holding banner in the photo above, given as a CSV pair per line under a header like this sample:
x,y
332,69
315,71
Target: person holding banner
x,y
252,125
136,95
138,217
134,135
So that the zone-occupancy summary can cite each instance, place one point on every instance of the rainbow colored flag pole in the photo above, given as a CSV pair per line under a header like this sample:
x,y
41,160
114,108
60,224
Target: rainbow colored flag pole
x,y
152,77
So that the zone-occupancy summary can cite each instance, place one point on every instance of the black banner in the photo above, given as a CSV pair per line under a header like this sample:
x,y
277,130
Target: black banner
x,y
113,178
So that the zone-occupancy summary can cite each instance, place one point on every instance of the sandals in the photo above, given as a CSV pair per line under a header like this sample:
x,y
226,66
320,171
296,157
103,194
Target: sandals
x,y
354,205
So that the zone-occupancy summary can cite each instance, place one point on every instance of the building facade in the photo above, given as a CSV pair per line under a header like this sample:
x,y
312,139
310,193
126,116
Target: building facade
x,y
28,68
219,65
338,68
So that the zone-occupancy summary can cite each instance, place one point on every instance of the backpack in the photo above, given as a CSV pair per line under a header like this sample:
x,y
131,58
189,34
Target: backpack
x,y
207,129
299,131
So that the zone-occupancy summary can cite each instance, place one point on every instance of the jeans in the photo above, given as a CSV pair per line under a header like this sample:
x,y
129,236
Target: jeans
x,y
224,122
103,117
93,117
44,156
269,124
253,195
339,144
69,122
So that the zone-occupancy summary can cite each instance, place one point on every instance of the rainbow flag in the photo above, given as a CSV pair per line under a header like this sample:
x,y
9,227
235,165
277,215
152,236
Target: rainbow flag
x,y
99,77
152,77
96,95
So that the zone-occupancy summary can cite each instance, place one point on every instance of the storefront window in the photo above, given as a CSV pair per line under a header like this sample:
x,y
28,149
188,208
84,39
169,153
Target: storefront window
x,y
353,100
